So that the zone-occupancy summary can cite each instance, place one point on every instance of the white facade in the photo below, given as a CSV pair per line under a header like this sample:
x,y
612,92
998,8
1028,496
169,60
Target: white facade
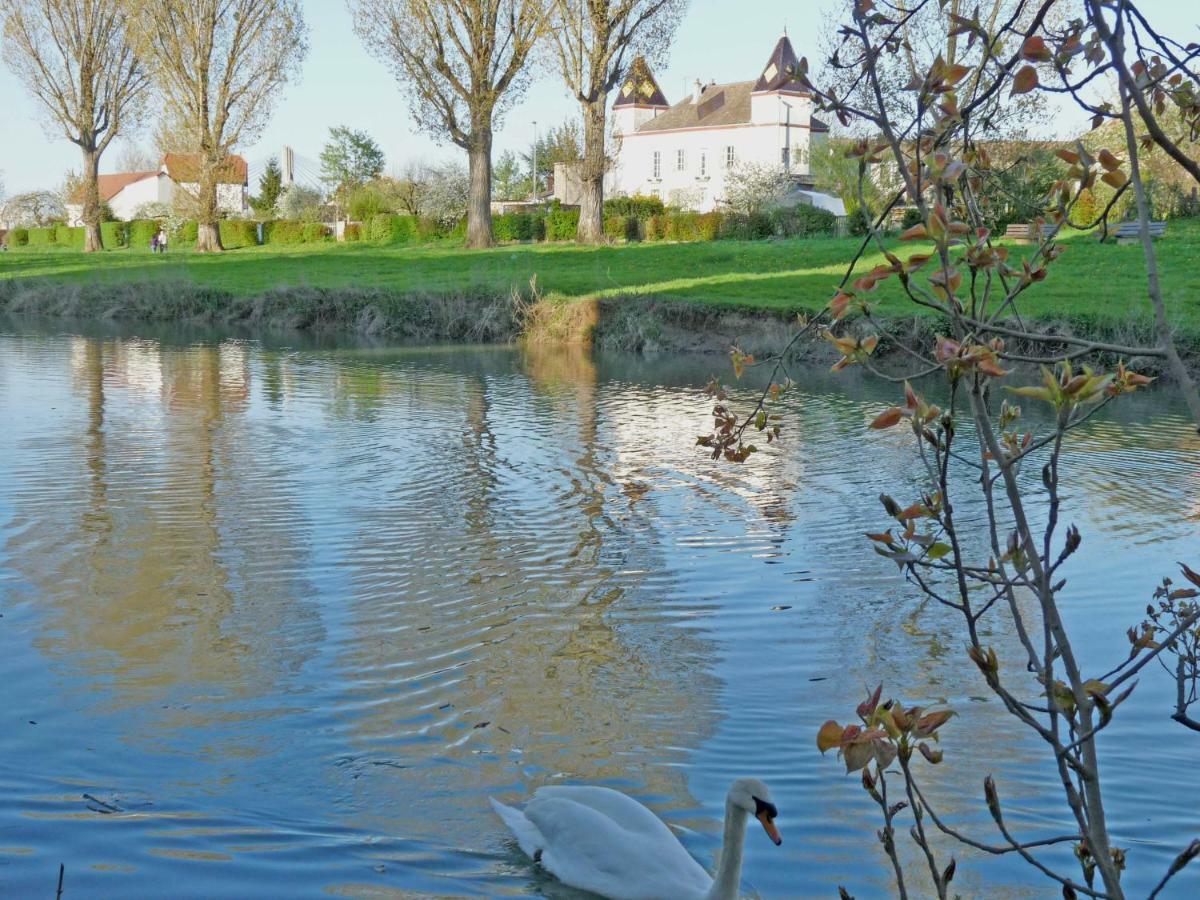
x,y
682,153
126,193
687,166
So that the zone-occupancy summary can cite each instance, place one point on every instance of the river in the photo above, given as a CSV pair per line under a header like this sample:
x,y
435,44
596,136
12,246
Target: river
x,y
278,615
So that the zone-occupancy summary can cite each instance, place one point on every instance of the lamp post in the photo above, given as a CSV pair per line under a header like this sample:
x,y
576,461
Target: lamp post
x,y
535,171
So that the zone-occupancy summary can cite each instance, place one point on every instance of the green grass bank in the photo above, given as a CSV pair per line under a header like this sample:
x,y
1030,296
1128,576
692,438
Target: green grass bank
x,y
637,296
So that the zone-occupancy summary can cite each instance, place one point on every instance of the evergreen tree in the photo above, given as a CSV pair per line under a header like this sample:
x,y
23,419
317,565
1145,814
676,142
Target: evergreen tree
x,y
510,178
270,186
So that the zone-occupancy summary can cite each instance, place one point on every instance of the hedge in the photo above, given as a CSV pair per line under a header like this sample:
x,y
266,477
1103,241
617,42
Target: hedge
x,y
802,220
114,234
622,228
68,237
141,232
237,233
388,229
41,237
353,232
285,232
640,207
562,224
519,227
18,237
186,233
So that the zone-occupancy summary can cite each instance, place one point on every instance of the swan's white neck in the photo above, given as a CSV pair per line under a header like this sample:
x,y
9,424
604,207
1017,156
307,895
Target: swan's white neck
x,y
729,870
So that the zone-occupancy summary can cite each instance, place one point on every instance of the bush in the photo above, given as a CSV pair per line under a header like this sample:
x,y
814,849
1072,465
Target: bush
x,y
518,227
638,206
141,232
315,233
352,233
656,228
186,232
237,233
618,227
562,224
709,226
911,217
68,237
745,226
41,237
389,229
803,220
18,237
428,229
367,202
114,234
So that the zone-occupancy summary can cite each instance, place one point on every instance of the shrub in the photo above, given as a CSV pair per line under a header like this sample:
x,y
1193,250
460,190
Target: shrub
x,y
638,206
561,225
41,237
428,229
68,237
803,220
708,226
141,232
186,232
366,203
745,226
352,233
514,227
683,226
114,234
618,227
389,229
314,233
656,228
911,217
18,237
237,233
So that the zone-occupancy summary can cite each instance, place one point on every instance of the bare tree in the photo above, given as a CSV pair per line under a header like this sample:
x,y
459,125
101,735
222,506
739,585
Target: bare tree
x,y
595,41
134,158
75,58
463,63
219,65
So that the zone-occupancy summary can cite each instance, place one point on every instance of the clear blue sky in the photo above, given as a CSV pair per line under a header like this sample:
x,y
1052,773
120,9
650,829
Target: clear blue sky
x,y
341,84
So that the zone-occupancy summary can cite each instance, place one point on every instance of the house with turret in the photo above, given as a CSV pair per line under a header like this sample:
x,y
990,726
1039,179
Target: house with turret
x,y
683,152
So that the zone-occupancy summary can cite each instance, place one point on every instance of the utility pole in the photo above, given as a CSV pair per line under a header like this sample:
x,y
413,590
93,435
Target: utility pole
x,y
535,169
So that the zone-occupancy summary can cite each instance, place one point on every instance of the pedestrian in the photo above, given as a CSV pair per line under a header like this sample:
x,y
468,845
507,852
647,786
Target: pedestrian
x,y
162,240
154,242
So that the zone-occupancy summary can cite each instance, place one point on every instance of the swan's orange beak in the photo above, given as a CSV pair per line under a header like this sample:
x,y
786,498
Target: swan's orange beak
x,y
769,827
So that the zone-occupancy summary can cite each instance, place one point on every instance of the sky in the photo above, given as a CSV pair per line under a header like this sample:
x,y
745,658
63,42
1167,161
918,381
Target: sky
x,y
341,84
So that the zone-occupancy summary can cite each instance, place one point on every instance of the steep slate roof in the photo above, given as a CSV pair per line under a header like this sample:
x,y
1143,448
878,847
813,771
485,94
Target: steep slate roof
x,y
184,168
639,87
777,73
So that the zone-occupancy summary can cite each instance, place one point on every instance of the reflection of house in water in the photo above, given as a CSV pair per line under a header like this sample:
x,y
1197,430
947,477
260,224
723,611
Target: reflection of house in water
x,y
491,586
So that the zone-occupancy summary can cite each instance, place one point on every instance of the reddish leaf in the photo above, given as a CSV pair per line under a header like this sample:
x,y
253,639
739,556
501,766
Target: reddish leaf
x,y
917,232
887,418
868,706
829,736
1025,81
1110,162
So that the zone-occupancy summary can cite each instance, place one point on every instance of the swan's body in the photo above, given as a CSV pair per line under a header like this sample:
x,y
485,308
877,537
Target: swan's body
x,y
602,841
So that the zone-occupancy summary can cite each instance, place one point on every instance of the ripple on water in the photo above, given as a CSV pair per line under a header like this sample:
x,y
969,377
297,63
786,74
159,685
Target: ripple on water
x,y
293,614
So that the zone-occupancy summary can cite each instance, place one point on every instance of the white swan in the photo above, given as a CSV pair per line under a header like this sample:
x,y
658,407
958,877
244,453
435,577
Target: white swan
x,y
600,840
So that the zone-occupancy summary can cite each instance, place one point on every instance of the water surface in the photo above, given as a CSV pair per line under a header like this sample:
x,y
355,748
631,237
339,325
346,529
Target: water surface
x,y
277,617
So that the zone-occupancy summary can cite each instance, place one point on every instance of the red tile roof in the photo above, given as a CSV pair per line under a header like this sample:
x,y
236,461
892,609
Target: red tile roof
x,y
111,185
184,168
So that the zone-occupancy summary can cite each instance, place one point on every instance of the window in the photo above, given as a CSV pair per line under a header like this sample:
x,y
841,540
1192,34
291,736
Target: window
x,y
730,157
680,160
658,164
798,156
703,163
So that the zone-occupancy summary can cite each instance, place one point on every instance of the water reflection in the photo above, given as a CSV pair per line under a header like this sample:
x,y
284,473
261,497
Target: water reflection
x,y
289,613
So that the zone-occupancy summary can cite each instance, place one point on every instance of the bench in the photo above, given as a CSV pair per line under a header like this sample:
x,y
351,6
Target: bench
x,y
1024,232
1131,232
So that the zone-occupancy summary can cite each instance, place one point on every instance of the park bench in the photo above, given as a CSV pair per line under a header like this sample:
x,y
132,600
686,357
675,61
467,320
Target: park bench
x,y
1130,232
1023,232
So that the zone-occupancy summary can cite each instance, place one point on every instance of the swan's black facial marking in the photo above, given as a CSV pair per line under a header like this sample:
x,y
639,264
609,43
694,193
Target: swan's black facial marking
x,y
762,806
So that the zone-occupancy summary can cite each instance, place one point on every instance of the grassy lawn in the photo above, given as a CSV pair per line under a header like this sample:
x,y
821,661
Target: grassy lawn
x,y
1103,283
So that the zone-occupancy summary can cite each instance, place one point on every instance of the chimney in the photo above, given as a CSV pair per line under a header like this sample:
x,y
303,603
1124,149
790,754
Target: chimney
x,y
697,90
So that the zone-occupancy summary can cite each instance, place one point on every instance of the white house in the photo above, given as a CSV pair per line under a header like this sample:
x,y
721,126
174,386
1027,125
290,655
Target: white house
x,y
126,192
683,152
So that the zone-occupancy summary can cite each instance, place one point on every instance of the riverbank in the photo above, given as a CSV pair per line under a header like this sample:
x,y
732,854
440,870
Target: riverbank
x,y
644,297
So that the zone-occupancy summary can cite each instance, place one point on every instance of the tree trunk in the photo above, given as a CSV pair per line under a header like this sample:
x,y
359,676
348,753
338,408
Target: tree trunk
x,y
591,173
479,204
208,232
92,240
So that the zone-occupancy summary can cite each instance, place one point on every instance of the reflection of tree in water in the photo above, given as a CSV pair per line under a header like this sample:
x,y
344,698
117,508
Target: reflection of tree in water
x,y
141,560
490,587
